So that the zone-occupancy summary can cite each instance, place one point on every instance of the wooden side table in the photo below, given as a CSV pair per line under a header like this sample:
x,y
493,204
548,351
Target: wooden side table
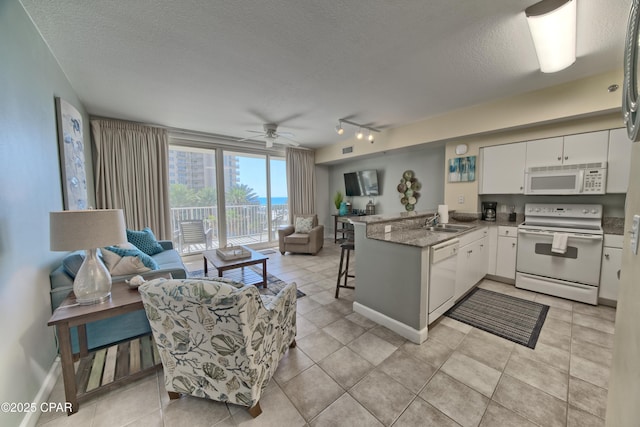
x,y
106,368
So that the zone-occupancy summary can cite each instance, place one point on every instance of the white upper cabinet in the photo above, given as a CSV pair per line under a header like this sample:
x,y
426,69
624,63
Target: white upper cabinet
x,y
588,147
544,152
502,169
619,161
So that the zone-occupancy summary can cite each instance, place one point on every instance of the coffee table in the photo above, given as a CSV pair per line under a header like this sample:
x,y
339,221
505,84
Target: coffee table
x,y
223,265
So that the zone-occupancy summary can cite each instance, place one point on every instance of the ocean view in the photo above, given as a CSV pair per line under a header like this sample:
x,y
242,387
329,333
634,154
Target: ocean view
x,y
274,200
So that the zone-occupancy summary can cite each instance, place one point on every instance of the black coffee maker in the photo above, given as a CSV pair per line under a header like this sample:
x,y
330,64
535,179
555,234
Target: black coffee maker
x,y
489,210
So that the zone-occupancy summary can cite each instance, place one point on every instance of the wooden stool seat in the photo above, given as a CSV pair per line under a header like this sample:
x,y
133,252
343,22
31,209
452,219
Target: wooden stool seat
x,y
347,247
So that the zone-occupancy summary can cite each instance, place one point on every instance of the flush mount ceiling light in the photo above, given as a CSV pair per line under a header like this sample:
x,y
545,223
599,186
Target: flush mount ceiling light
x,y
361,128
269,139
553,29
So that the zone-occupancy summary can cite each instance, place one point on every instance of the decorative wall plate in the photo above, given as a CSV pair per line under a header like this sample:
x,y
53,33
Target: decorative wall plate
x,y
630,100
408,190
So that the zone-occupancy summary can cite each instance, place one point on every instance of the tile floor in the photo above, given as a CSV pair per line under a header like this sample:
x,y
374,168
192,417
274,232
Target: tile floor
x,y
349,371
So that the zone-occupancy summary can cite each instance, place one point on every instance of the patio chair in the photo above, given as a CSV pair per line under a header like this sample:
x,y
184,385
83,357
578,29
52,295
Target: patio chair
x,y
192,232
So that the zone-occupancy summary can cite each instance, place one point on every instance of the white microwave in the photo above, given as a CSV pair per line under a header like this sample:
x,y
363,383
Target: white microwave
x,y
586,178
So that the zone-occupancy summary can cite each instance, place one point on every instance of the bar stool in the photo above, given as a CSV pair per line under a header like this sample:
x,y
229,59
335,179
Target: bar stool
x,y
347,246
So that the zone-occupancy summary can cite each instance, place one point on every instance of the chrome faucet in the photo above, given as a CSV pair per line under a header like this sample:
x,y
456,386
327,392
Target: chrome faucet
x,y
430,222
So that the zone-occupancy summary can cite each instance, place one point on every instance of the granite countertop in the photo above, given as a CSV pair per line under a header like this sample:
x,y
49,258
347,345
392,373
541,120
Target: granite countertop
x,y
613,225
374,219
418,237
406,226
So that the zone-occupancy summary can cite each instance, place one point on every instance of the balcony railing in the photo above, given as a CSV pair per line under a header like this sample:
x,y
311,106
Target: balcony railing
x,y
246,224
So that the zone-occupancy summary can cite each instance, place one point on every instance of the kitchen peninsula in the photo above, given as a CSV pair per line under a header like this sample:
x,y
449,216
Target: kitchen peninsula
x,y
394,269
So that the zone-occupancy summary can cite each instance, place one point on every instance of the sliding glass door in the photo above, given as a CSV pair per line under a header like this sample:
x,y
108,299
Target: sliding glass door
x,y
255,197
245,191
279,208
251,205
193,199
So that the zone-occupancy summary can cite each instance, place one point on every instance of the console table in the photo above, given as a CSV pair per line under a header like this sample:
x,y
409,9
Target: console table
x,y
105,368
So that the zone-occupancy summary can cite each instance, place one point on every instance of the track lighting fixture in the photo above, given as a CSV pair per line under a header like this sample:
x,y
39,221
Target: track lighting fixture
x,y
360,132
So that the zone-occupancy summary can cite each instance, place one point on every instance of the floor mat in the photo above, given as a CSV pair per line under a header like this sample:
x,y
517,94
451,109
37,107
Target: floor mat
x,y
503,315
267,251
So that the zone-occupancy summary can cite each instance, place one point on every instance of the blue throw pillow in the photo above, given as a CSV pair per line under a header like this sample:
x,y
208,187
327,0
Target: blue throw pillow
x,y
145,241
72,263
146,259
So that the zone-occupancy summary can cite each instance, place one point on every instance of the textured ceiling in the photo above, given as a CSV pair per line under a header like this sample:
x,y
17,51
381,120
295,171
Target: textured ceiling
x,y
225,67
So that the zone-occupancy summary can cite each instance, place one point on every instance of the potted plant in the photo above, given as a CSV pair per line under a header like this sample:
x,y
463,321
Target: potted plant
x,y
337,200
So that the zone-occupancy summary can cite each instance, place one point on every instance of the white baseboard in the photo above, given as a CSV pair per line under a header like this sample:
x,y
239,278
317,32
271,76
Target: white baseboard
x,y
31,418
413,335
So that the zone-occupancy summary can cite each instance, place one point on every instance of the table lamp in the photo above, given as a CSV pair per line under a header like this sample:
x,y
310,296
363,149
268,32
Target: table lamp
x,y
88,230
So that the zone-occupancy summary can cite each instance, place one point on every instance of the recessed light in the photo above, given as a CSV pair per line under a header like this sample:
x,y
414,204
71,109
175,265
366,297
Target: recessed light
x,y
613,88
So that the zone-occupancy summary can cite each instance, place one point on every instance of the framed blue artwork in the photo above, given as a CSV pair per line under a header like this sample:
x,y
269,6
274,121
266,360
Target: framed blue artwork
x,y
462,169
71,151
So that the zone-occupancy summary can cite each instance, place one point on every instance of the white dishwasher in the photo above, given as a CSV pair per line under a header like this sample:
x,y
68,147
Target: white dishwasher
x,y
442,278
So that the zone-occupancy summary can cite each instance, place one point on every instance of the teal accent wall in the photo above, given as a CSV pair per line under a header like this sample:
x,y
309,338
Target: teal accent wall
x,y
30,188
426,161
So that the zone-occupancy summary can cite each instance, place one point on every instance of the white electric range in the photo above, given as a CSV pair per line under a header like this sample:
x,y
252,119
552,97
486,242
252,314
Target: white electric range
x,y
559,250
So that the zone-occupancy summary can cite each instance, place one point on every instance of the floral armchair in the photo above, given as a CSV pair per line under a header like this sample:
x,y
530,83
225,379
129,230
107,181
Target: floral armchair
x,y
219,339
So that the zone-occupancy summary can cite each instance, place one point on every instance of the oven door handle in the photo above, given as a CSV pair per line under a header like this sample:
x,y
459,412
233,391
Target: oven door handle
x,y
570,235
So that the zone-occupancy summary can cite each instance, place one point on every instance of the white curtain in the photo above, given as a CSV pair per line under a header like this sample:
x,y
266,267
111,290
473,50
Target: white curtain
x,y
301,182
131,173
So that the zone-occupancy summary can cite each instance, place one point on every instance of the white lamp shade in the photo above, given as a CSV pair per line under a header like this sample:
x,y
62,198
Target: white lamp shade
x,y
553,29
86,229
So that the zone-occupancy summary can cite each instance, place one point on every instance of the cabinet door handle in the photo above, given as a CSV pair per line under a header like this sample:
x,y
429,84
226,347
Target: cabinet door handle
x,y
513,245
606,256
559,158
618,273
506,232
566,157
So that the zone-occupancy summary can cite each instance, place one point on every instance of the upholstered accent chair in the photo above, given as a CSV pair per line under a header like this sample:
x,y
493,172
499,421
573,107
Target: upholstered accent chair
x,y
219,339
304,236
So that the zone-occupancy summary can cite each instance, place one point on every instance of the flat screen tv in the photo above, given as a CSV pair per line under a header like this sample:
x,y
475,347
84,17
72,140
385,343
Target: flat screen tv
x,y
362,183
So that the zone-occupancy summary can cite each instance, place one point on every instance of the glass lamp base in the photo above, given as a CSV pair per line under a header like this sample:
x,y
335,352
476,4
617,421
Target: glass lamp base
x,y
95,300
92,284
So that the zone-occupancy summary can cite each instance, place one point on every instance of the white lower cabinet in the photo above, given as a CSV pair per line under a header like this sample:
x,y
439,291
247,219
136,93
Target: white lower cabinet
x,y
610,271
473,260
493,249
506,252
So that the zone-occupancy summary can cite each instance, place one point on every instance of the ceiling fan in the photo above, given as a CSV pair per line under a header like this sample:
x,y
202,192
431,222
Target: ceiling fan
x,y
271,135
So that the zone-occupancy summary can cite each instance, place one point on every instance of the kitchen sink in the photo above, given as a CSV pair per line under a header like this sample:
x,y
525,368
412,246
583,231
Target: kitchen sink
x,y
448,228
